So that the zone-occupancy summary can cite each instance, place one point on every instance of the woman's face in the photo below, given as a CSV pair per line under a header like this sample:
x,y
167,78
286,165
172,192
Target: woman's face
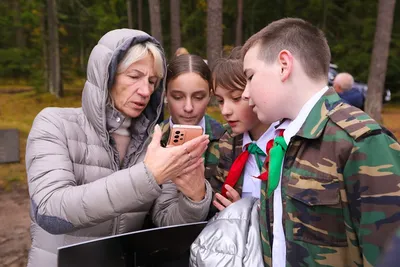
x,y
188,96
132,88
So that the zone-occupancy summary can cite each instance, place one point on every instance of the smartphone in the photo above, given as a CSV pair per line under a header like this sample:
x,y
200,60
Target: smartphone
x,y
182,133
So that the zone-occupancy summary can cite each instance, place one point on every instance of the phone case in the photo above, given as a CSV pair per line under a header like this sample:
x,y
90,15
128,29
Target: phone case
x,y
183,133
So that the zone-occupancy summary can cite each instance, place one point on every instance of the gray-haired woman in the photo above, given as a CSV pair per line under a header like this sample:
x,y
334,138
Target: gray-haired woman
x,y
92,171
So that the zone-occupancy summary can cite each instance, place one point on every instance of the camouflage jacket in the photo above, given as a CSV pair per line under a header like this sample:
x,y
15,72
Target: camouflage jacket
x,y
340,188
211,157
230,147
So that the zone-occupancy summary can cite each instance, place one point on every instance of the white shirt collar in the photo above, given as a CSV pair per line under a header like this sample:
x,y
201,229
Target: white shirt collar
x,y
284,125
265,137
296,124
202,123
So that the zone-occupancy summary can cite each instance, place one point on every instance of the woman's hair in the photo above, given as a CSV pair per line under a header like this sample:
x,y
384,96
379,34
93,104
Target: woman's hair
x,y
181,51
228,72
136,53
140,51
188,63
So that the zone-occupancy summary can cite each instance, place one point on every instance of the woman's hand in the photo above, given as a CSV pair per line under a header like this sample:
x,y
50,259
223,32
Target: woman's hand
x,y
192,184
224,202
168,162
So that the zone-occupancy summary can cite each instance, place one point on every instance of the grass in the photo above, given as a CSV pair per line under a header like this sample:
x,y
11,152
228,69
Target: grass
x,y
391,118
19,108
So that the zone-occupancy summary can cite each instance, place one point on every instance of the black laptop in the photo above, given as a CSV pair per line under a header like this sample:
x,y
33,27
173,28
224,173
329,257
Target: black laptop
x,y
157,247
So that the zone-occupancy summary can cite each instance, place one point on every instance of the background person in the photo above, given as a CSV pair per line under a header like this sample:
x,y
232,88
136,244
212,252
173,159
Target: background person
x,y
343,84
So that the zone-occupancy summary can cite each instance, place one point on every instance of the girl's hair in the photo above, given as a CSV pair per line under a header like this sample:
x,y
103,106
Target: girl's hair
x,y
228,72
188,63
140,51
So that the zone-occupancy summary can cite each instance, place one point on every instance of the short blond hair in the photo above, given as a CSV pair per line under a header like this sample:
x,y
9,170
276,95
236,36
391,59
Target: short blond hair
x,y
140,51
344,80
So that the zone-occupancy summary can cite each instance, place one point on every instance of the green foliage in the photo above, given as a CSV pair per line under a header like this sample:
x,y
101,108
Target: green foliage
x,y
348,25
14,61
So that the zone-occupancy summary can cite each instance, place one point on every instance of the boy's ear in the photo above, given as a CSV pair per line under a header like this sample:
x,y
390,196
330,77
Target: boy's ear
x,y
285,60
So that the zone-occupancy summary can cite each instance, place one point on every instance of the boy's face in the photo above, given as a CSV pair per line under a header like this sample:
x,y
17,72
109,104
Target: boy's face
x,y
235,110
264,87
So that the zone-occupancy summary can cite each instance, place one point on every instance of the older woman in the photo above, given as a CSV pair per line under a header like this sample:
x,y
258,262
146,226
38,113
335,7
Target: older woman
x,y
92,171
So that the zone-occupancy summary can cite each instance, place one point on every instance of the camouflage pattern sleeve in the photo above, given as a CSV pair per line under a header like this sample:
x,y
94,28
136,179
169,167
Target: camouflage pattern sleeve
x,y
224,162
372,179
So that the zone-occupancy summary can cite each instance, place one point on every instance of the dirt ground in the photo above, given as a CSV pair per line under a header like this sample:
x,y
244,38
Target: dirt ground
x,y
14,228
14,212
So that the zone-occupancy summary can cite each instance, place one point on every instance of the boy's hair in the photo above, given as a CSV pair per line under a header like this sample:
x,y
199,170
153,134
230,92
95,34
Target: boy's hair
x,y
305,41
228,72
188,63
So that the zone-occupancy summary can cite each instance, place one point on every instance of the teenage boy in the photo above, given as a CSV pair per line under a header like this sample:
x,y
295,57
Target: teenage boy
x,y
335,199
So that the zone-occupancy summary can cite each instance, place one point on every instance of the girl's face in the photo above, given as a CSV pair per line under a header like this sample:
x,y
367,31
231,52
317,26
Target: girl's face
x,y
188,96
235,110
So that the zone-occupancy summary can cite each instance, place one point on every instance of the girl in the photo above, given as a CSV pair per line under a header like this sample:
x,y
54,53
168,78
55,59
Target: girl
x,y
188,93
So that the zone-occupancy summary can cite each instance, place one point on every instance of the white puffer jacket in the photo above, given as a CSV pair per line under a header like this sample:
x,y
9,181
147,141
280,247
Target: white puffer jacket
x,y
78,190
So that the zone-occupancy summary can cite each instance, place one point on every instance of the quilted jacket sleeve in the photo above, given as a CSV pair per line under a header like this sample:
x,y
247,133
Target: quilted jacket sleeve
x,y
59,205
172,207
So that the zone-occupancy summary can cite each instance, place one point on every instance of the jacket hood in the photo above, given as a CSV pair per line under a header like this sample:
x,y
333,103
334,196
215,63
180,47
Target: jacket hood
x,y
101,69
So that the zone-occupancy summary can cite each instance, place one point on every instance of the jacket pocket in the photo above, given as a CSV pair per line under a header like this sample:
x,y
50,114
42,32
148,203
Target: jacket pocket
x,y
314,211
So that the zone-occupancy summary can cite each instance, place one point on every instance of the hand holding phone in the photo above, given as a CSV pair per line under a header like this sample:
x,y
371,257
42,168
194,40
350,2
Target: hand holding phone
x,y
192,184
176,160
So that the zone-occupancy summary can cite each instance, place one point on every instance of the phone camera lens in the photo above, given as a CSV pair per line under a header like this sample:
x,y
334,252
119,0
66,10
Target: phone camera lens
x,y
176,136
177,132
175,140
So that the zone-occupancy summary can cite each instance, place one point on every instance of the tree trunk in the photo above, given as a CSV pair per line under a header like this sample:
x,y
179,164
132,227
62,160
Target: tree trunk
x,y
45,50
239,23
155,19
324,15
50,46
282,8
55,66
139,14
214,31
129,10
175,25
81,45
19,30
379,58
